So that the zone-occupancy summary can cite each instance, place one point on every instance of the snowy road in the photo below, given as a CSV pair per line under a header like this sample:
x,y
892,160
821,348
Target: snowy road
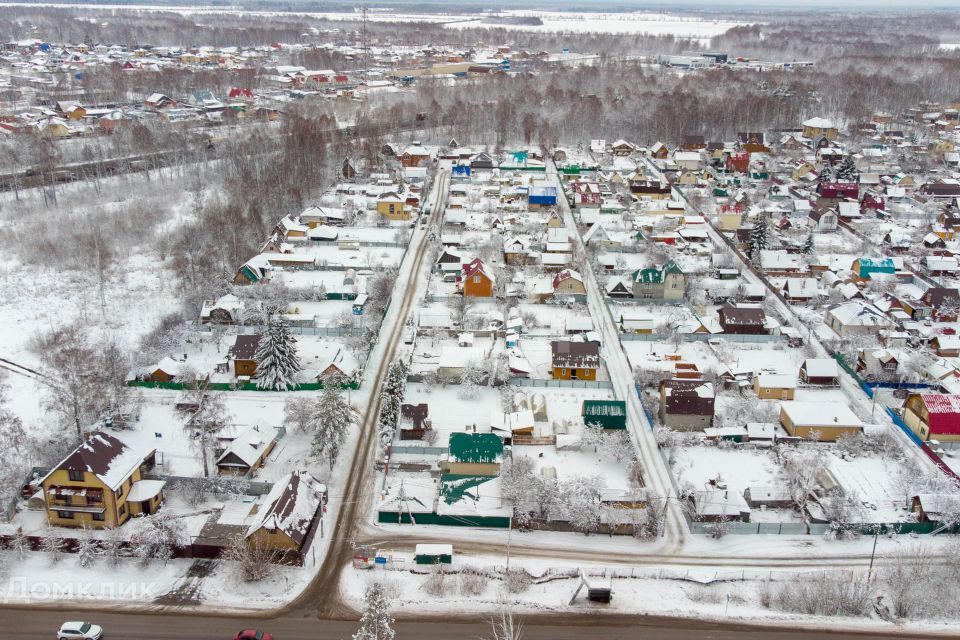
x,y
621,375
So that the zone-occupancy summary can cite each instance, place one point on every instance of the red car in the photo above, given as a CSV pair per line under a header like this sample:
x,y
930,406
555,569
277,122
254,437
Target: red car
x,y
253,634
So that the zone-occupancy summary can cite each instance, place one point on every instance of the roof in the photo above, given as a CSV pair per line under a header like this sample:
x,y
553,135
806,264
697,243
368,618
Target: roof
x,y
104,456
821,367
575,355
941,403
293,503
245,346
248,446
776,381
818,123
688,397
820,414
476,447
604,408
858,313
145,490
741,316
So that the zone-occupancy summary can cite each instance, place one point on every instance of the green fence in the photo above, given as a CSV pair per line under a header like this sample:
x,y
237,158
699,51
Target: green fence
x,y
229,386
494,522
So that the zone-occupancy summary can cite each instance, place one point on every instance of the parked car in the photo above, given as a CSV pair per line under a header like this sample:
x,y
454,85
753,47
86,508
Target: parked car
x,y
79,631
253,634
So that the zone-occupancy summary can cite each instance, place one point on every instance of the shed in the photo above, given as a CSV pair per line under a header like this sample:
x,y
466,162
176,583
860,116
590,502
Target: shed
x,y
433,554
609,414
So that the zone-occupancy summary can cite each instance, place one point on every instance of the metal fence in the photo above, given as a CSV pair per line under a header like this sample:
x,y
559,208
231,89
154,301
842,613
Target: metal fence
x,y
418,451
331,332
561,384
704,337
764,528
217,484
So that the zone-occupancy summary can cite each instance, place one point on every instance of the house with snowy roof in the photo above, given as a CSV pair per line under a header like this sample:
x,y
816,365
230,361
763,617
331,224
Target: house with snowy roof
x,y
856,318
686,405
574,360
246,452
933,415
815,127
477,281
823,421
100,484
659,283
289,516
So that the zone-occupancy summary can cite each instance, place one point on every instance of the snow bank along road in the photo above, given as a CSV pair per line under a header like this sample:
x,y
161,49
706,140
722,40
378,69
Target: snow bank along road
x,y
321,595
42,625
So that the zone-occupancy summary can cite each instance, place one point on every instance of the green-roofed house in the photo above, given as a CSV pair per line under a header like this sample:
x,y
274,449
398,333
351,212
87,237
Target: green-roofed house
x,y
609,414
474,454
864,268
664,283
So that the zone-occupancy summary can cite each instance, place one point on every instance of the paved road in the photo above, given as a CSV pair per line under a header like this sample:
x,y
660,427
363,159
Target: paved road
x,y
42,625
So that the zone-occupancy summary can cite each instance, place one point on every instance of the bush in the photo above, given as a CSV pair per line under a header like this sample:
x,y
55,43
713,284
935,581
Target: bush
x,y
517,580
472,582
824,594
436,582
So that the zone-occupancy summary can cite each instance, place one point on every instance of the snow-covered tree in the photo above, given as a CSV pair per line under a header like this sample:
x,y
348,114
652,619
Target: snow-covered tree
x,y
299,411
846,171
808,245
759,238
207,415
254,562
333,418
277,360
376,621
157,536
53,544
391,397
87,551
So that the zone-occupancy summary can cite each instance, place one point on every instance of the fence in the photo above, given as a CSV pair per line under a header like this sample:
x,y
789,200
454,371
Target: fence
x,y
705,337
418,451
561,384
330,332
217,484
230,386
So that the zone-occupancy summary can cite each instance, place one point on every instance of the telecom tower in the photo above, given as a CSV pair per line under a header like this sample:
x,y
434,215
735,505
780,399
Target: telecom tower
x,y
364,42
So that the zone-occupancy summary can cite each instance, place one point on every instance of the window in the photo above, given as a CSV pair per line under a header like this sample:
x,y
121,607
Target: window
x,y
75,475
476,279
563,372
99,517
66,515
123,510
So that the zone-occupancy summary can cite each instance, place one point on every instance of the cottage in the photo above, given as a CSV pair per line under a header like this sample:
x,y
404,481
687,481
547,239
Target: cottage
x,y
414,421
686,405
933,415
742,320
865,268
820,371
477,281
288,519
568,283
815,127
878,363
659,283
856,318
100,484
774,386
946,346
824,219
473,454
392,207
245,452
720,505
800,290
243,353
822,421
574,360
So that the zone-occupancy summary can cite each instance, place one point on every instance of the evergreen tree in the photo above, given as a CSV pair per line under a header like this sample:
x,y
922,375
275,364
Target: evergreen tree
x,y
333,417
807,248
825,175
277,361
759,238
847,170
376,621
391,397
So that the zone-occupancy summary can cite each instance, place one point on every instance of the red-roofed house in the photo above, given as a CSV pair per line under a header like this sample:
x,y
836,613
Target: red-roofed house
x,y
933,415
477,281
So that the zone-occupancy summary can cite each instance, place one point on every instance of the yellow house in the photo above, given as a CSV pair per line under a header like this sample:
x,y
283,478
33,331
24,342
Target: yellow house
x,y
731,220
820,127
823,421
800,170
774,387
100,484
290,516
940,147
392,207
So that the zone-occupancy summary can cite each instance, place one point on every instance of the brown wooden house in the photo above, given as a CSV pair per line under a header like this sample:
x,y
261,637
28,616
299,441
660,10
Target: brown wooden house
x,y
243,353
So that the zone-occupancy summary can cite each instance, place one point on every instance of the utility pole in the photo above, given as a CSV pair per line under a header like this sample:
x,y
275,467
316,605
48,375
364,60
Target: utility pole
x,y
364,42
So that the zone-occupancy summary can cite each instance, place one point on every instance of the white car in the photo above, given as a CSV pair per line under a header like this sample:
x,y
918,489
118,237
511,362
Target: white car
x,y
79,631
